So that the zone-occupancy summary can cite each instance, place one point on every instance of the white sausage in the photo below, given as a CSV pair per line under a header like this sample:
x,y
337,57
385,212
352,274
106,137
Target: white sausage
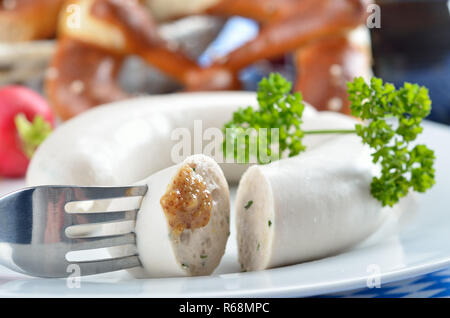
x,y
126,142
307,207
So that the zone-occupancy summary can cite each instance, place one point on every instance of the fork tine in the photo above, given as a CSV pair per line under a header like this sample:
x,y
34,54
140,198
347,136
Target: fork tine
x,y
99,193
99,217
88,243
107,265
100,229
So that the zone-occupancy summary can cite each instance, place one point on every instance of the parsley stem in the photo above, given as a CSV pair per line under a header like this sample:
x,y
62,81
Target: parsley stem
x,y
330,131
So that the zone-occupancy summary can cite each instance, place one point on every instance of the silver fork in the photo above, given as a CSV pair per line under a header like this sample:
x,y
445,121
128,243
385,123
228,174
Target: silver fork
x,y
33,224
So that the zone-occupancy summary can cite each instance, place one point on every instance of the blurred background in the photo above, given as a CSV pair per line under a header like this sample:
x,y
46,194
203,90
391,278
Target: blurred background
x,y
412,44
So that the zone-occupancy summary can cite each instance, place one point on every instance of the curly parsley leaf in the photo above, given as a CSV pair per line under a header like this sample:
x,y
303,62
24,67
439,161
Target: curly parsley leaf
x,y
250,133
394,122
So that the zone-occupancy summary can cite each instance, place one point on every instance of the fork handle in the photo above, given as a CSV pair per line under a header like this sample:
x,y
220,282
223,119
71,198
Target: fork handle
x,y
16,220
16,223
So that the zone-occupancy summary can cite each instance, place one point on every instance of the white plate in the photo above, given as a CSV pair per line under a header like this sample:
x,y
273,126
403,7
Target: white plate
x,y
420,246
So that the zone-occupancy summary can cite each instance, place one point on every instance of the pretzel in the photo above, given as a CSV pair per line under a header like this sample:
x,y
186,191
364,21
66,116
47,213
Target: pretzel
x,y
26,20
85,67
324,68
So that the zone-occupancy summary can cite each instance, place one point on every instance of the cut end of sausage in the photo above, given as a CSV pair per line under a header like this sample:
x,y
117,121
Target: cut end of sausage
x,y
254,220
196,250
200,250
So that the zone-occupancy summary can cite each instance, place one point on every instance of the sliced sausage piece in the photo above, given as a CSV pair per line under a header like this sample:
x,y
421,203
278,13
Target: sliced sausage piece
x,y
307,207
183,225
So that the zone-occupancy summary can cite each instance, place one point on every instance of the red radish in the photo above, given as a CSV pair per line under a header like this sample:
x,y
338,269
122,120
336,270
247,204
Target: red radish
x,y
25,120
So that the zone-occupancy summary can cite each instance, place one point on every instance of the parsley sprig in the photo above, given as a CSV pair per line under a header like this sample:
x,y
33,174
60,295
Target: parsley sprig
x,y
278,108
395,118
393,122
